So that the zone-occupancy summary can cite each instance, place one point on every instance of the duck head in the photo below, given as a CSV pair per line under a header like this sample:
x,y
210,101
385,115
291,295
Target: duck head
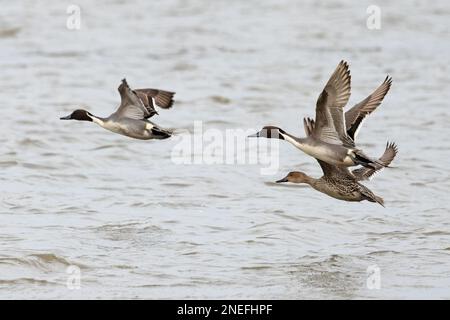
x,y
295,177
270,132
79,114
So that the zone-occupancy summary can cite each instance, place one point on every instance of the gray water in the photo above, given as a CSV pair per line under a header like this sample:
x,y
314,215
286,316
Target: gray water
x,y
138,225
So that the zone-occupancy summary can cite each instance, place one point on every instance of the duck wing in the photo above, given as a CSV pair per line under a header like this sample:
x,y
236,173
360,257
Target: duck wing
x,y
330,122
131,106
330,170
367,173
355,116
155,97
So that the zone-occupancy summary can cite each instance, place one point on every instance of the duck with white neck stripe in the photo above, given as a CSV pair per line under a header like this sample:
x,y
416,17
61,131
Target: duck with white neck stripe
x,y
131,117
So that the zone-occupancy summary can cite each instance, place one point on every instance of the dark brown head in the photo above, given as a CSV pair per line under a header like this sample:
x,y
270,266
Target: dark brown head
x,y
79,114
269,132
295,177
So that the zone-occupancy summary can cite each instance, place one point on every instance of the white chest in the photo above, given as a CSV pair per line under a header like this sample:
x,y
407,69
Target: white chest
x,y
318,151
111,126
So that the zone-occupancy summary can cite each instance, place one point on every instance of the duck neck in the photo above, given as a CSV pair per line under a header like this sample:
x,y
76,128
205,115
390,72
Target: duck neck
x,y
325,186
98,120
297,142
311,181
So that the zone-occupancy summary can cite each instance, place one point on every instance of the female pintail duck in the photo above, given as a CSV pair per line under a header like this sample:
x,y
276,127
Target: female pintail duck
x,y
330,141
339,182
131,118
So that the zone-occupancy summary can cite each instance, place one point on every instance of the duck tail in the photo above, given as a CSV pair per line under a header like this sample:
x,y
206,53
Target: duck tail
x,y
373,198
380,201
360,158
370,196
160,133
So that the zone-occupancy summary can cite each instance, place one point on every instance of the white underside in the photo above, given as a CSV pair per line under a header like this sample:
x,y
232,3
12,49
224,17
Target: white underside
x,y
321,152
110,125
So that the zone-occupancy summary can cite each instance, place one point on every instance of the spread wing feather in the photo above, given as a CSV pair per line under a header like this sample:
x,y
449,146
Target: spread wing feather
x,y
330,122
355,116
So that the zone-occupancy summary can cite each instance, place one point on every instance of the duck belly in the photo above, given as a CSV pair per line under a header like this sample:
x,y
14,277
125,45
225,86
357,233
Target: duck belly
x,y
132,129
332,154
341,194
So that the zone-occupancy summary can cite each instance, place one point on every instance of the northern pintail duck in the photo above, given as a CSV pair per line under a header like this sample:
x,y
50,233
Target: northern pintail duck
x,y
335,182
339,182
330,141
131,117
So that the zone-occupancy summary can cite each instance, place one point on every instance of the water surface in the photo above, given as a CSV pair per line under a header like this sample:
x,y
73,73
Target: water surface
x,y
140,226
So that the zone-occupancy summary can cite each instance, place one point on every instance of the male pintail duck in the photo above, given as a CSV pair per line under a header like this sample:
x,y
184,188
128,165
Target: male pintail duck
x,y
356,115
339,182
131,117
330,141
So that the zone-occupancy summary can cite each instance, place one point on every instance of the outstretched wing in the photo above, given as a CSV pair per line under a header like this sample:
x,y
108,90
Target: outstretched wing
x,y
330,122
355,116
155,97
367,173
130,105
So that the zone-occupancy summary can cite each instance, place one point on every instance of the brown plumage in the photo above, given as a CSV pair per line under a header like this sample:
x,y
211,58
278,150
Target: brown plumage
x,y
337,182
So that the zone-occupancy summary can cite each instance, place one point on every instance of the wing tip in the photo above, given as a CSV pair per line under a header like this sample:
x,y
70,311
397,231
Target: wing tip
x,y
393,146
343,72
164,99
123,85
388,81
344,63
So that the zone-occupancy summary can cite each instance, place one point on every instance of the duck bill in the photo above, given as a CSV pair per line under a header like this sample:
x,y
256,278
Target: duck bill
x,y
256,135
65,118
282,180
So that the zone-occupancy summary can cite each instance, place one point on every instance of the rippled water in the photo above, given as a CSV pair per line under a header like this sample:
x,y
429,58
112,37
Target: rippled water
x,y
140,226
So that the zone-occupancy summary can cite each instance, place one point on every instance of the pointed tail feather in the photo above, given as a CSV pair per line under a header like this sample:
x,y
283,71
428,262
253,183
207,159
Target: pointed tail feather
x,y
379,200
373,198
159,133
360,158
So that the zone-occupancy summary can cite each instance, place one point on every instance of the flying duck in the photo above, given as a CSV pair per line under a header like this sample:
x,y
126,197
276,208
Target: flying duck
x,y
329,140
131,117
339,182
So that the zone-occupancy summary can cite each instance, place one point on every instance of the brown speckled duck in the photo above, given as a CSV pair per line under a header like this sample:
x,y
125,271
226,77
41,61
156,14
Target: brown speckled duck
x,y
340,183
